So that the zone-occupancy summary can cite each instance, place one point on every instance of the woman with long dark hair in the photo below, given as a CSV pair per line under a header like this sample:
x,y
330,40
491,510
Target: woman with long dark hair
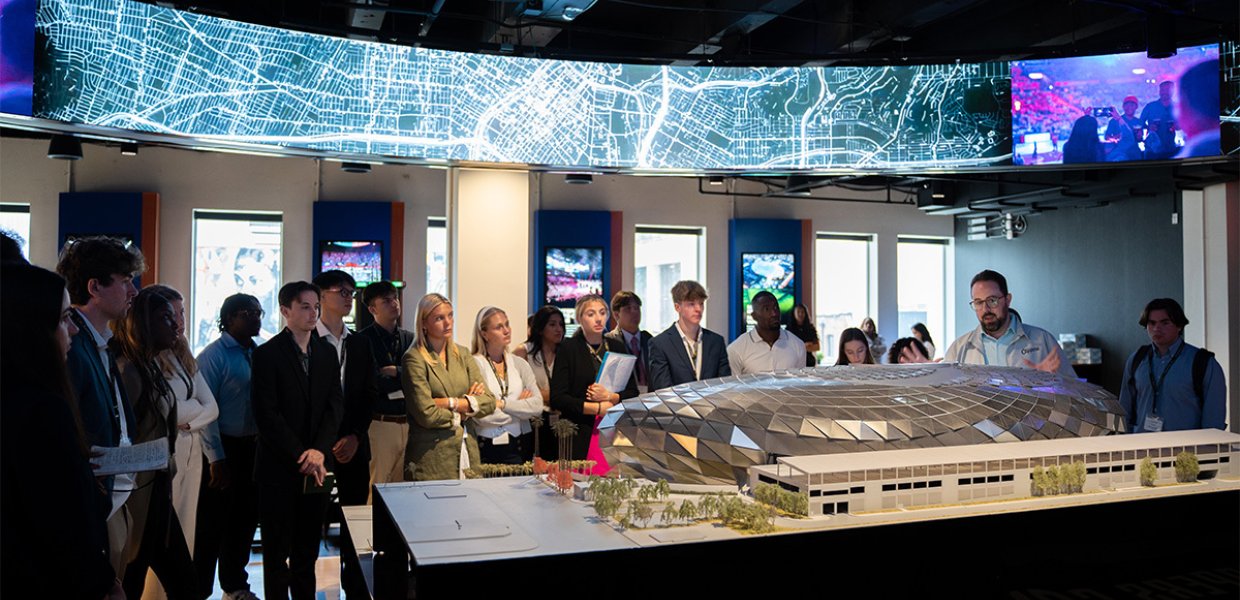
x,y
156,540
55,540
854,348
546,333
802,326
923,335
1082,145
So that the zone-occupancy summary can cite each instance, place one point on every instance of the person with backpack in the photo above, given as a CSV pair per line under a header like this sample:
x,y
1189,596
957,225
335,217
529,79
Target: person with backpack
x,y
1171,385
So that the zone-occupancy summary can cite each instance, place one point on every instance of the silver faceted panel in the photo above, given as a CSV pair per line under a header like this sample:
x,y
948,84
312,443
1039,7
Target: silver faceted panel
x,y
712,431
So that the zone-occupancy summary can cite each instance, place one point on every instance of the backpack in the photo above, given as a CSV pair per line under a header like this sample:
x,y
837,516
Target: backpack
x,y
1201,361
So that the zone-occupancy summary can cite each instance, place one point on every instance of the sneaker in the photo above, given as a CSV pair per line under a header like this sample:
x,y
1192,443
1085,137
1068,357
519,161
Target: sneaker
x,y
240,595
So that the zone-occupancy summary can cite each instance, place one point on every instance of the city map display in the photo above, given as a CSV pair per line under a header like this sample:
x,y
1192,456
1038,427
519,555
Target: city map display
x,y
152,69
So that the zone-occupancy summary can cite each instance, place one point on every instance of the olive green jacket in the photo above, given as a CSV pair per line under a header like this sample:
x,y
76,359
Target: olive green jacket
x,y
434,448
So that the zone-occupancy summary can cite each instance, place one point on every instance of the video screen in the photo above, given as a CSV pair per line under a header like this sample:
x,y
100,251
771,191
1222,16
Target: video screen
x,y
362,260
17,41
1116,108
775,273
573,273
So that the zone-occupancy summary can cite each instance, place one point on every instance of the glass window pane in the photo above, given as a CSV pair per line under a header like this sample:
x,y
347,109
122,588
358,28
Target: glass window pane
x,y
15,220
841,288
436,257
661,257
922,292
234,253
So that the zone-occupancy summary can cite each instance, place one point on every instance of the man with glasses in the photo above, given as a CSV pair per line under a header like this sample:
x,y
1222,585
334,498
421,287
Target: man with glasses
x,y
228,508
1001,339
389,427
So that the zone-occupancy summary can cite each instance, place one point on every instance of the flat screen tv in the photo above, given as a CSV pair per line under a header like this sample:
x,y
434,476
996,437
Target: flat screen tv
x,y
572,273
361,259
773,272
1116,108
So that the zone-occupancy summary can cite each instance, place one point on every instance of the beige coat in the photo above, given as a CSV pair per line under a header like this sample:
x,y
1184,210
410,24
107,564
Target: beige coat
x,y
434,448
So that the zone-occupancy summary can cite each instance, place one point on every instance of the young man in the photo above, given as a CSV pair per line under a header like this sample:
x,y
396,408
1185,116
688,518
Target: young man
x,y
626,310
99,273
686,351
1171,385
1001,339
767,347
228,510
295,391
389,427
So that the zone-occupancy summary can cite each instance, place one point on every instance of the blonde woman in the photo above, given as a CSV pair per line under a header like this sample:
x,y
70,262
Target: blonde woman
x,y
573,390
443,388
504,436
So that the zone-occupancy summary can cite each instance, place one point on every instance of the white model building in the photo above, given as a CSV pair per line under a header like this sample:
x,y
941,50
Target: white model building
x,y
922,477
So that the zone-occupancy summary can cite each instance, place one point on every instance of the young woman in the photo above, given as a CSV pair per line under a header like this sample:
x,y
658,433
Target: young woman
x,y
803,327
573,390
854,348
443,388
878,347
539,350
504,436
156,538
923,335
196,409
55,537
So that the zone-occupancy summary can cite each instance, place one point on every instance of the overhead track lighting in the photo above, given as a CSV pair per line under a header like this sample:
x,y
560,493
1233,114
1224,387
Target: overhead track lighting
x,y
65,147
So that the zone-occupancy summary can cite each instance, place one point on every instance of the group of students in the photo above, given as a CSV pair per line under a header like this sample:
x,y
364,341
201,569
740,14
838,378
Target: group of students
x,y
257,432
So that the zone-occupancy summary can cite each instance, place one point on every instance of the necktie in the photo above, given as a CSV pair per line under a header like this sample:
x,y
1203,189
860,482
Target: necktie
x,y
635,347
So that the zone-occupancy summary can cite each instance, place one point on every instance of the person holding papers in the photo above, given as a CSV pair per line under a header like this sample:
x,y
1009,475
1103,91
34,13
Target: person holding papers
x,y
574,391
504,436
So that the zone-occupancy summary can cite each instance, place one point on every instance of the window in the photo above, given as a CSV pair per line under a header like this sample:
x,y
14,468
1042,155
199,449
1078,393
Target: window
x,y
437,256
841,287
15,220
661,257
234,252
922,287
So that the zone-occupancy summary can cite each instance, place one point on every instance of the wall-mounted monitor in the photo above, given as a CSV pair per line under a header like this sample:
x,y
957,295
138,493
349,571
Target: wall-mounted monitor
x,y
361,259
772,272
1116,108
571,273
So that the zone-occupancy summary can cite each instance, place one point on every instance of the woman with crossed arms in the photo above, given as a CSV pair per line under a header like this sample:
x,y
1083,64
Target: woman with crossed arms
x,y
504,436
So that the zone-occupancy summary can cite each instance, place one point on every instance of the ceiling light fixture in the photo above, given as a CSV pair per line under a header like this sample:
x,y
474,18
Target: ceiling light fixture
x,y
65,147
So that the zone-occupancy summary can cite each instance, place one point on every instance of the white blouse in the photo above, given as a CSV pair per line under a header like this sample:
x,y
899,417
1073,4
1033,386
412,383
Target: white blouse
x,y
514,418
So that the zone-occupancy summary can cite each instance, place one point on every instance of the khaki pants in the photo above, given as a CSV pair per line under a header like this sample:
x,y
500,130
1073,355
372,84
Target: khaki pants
x,y
119,525
387,452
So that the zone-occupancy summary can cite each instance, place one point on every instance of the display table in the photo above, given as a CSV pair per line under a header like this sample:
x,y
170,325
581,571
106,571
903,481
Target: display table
x,y
440,539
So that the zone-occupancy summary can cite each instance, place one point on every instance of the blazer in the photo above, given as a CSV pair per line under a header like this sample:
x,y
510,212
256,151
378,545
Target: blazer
x,y
91,385
575,369
643,342
434,448
294,412
361,393
669,361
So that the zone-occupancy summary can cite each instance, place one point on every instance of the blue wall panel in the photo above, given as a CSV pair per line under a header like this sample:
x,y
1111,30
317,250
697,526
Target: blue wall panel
x,y
113,214
353,222
572,228
759,235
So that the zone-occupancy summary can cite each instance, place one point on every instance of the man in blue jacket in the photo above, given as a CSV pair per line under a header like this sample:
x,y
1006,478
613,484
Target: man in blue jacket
x,y
686,351
99,273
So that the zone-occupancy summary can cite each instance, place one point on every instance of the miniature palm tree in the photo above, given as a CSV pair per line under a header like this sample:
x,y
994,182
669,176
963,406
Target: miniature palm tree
x,y
536,422
564,431
1149,473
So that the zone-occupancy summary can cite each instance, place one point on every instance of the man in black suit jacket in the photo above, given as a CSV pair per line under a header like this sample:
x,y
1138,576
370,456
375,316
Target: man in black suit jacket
x,y
626,311
686,351
298,406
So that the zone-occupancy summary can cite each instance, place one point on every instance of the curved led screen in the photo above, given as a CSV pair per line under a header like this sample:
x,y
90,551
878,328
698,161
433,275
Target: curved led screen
x,y
142,67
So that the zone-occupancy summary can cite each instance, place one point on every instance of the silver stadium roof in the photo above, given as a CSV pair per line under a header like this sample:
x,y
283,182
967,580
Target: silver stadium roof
x,y
711,431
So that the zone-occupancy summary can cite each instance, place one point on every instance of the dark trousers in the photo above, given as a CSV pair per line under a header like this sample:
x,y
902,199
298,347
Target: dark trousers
x,y
227,519
292,527
163,548
518,450
352,489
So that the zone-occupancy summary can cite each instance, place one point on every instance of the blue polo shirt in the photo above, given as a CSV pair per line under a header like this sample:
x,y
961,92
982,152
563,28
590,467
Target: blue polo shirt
x,y
1178,405
225,364
994,350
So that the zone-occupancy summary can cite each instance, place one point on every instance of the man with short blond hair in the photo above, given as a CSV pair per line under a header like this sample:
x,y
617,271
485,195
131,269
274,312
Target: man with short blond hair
x,y
686,351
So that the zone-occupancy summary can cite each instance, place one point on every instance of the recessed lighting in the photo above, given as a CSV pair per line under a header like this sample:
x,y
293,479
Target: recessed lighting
x,y
1036,75
1138,71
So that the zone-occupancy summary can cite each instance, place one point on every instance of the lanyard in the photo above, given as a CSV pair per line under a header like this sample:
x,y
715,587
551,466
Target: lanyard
x,y
503,381
692,349
1157,386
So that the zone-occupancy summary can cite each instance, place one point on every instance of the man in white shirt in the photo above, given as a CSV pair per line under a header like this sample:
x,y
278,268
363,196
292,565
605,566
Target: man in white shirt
x,y
767,347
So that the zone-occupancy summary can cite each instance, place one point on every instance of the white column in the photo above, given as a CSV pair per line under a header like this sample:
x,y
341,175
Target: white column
x,y
488,246
886,279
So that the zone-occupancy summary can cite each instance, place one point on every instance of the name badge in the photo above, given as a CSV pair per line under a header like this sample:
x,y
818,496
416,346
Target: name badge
x,y
501,440
1153,423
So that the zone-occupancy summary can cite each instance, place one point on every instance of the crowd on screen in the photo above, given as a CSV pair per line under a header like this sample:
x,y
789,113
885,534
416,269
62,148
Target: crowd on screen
x,y
260,431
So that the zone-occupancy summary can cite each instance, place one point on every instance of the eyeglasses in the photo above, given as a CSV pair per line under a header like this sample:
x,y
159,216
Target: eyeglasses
x,y
992,302
344,292
251,312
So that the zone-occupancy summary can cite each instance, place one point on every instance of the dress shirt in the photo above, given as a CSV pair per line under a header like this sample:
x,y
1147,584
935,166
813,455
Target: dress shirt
x,y
1028,343
336,342
124,482
1178,404
225,365
994,349
749,353
693,349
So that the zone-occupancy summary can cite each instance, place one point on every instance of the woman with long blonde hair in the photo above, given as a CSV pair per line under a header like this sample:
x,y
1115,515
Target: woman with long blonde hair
x,y
504,436
443,389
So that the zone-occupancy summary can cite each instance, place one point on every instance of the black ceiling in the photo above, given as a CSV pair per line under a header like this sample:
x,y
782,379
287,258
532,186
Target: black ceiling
x,y
753,32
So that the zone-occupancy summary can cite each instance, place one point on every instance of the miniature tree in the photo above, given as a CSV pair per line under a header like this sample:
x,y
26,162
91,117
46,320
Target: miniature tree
x,y
688,510
540,465
668,515
663,489
564,431
536,422
1076,477
1039,481
1186,467
1054,477
1149,473
564,481
708,508
642,511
